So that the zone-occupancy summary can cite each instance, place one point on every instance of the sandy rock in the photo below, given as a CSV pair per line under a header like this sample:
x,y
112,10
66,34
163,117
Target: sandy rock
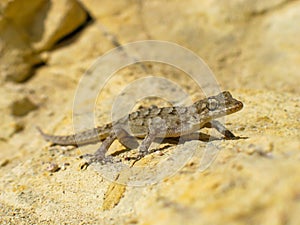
x,y
252,47
53,167
22,106
9,127
273,58
60,19
100,9
231,11
21,13
44,22
91,44
30,27
17,57
122,18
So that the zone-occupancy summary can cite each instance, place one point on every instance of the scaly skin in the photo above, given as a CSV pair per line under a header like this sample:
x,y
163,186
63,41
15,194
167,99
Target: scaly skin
x,y
153,122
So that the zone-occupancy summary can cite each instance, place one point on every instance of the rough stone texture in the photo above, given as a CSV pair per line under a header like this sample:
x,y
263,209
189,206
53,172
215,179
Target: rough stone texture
x,y
253,49
22,107
17,57
60,19
30,27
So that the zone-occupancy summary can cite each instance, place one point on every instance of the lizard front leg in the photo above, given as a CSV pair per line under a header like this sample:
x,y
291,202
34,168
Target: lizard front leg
x,y
220,128
125,138
156,127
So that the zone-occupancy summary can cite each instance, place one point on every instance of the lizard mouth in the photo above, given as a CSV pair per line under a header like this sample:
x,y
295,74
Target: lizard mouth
x,y
237,106
226,109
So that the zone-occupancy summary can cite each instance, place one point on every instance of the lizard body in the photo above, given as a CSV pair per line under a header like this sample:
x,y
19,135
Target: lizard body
x,y
150,123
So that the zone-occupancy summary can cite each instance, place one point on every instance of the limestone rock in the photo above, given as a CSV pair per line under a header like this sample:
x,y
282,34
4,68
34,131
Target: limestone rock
x,y
17,57
45,22
60,18
252,47
22,107
27,28
89,45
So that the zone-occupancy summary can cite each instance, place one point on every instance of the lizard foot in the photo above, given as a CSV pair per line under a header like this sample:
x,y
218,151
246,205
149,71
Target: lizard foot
x,y
103,160
136,158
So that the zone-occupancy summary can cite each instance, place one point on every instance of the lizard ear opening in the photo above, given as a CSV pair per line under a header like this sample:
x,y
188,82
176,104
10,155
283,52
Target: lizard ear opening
x,y
212,104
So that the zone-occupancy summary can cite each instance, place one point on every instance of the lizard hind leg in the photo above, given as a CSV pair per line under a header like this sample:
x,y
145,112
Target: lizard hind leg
x,y
99,156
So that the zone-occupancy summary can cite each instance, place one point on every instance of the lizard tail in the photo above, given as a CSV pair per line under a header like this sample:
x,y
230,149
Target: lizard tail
x,y
83,138
60,140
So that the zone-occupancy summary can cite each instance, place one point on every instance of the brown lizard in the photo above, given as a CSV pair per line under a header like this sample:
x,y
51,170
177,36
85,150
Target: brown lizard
x,y
153,122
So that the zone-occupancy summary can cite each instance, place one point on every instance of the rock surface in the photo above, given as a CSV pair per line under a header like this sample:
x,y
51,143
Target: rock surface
x,y
251,46
28,28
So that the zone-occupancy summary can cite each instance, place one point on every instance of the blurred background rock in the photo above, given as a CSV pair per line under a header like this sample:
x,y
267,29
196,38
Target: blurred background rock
x,y
253,49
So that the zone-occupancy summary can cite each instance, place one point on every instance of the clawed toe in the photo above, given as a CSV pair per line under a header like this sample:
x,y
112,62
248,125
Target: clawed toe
x,y
86,156
235,138
136,158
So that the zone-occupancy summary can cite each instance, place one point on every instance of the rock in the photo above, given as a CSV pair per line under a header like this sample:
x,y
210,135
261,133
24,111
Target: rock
x,y
28,28
231,11
277,57
53,167
9,127
252,46
17,57
89,45
120,18
104,8
45,22
22,107
4,162
60,18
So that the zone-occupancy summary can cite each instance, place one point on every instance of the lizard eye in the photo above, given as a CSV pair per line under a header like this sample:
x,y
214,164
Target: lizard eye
x,y
212,104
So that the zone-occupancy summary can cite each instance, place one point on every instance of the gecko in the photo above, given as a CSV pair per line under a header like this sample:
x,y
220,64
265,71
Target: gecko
x,y
149,123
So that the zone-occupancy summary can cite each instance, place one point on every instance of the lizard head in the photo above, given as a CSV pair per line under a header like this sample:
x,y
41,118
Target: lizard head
x,y
218,105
